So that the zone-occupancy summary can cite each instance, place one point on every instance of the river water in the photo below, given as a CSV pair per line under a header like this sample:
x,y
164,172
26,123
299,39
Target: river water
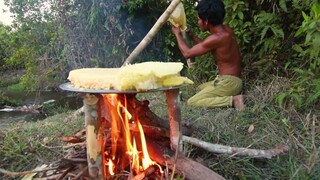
x,y
67,100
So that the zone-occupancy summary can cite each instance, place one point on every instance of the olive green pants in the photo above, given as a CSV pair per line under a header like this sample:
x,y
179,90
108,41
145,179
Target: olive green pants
x,y
217,93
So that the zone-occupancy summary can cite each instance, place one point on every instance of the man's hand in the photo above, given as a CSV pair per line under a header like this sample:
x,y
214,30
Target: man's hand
x,y
175,30
188,31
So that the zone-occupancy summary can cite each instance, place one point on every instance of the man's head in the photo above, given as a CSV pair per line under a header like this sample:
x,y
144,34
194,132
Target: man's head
x,y
211,10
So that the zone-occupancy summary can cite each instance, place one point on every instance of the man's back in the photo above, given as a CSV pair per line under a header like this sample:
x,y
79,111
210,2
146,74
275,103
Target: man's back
x,y
227,53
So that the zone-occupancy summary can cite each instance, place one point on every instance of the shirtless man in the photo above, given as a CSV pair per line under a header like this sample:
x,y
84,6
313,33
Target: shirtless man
x,y
224,90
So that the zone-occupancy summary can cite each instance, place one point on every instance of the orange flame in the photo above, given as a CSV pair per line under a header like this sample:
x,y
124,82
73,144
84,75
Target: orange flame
x,y
110,165
146,160
135,157
120,119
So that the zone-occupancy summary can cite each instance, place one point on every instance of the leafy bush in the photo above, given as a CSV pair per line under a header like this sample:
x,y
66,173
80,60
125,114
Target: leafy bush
x,y
305,89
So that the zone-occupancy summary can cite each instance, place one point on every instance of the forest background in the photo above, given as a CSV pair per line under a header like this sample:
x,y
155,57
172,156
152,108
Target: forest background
x,y
279,41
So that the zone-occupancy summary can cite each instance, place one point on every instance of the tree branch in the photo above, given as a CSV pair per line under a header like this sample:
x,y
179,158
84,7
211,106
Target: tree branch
x,y
255,153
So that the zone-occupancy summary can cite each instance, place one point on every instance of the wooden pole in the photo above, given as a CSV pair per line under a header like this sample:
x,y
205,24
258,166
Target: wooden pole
x,y
174,112
153,31
94,157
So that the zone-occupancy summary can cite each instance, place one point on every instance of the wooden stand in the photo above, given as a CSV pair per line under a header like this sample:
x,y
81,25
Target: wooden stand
x,y
174,112
94,157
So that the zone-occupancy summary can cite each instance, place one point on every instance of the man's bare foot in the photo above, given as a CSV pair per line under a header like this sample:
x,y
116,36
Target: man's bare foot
x,y
238,102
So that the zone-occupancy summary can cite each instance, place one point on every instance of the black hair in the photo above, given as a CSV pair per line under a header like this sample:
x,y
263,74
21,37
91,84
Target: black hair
x,y
211,10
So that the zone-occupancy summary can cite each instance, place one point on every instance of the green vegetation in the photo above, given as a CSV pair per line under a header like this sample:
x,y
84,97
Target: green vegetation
x,y
279,40
15,88
23,146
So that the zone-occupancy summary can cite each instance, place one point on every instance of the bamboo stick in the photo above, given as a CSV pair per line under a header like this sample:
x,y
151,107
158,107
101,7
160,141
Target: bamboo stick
x,y
153,31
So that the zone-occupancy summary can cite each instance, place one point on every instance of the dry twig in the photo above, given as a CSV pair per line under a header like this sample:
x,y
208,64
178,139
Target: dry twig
x,y
10,173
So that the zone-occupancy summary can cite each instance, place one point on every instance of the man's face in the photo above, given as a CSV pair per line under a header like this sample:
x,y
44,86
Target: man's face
x,y
202,24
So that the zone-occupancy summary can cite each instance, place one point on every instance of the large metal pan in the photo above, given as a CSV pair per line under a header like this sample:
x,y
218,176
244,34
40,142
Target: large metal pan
x,y
69,87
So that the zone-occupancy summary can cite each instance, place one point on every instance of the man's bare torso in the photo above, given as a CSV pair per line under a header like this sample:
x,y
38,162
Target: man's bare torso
x,y
221,42
227,54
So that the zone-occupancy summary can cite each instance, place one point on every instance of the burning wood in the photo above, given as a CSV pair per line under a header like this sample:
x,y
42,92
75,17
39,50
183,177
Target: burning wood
x,y
146,173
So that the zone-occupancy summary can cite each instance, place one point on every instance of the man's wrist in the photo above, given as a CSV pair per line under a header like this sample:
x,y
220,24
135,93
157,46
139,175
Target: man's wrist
x,y
189,32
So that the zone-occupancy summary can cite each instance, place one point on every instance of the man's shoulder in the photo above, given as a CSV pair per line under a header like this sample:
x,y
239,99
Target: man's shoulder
x,y
219,37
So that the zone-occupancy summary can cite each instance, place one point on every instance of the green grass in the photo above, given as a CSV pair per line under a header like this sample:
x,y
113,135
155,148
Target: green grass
x,y
20,144
16,88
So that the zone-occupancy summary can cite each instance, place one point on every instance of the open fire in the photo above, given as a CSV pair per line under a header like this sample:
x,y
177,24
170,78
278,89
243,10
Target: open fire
x,y
123,148
126,140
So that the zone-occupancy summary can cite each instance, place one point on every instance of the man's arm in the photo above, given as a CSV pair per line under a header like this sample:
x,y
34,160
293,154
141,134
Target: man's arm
x,y
203,47
181,43
193,37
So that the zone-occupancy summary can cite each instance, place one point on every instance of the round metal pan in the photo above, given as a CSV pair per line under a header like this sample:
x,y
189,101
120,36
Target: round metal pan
x,y
69,87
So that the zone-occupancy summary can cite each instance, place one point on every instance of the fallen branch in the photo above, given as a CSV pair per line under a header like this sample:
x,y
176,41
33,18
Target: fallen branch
x,y
65,173
64,147
72,139
30,108
255,153
81,173
75,115
10,173
75,160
